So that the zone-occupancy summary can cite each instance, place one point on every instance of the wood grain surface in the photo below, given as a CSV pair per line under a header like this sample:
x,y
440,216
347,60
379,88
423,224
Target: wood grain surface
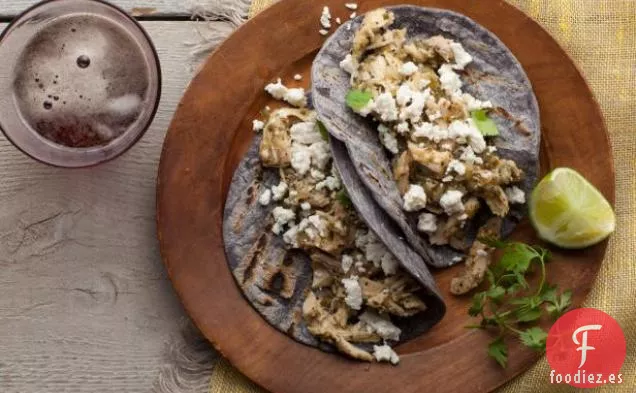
x,y
211,131
148,8
85,304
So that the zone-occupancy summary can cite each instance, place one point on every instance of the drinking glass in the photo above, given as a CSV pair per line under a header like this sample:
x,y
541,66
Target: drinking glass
x,y
80,82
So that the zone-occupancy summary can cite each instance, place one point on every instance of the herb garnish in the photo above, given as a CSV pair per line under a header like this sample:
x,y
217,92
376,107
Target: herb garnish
x,y
358,99
323,130
511,304
343,197
484,124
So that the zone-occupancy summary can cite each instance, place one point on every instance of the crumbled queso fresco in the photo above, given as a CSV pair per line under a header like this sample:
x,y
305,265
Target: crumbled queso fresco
x,y
325,18
446,169
257,125
415,198
384,353
294,96
358,285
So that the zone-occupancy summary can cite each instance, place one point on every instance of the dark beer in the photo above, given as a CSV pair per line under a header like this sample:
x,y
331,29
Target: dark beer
x,y
83,79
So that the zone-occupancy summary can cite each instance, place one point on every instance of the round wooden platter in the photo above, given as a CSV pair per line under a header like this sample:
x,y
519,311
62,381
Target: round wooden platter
x,y
211,131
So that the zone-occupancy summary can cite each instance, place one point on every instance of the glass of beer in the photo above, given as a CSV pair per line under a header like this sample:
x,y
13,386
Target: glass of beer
x,y
80,82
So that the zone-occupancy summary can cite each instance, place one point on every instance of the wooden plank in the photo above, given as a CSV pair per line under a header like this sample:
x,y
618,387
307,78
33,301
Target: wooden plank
x,y
157,8
85,304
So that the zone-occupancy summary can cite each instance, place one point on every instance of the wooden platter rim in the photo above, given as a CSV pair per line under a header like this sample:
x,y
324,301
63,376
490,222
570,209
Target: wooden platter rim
x,y
172,174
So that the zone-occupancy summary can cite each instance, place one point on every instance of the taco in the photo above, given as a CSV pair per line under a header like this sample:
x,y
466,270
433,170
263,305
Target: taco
x,y
306,260
441,124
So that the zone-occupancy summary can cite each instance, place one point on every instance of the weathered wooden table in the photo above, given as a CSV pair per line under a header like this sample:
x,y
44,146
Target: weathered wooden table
x,y
85,303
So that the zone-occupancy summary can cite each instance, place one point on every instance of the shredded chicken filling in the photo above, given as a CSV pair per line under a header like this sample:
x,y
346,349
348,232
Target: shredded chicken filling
x,y
425,122
354,273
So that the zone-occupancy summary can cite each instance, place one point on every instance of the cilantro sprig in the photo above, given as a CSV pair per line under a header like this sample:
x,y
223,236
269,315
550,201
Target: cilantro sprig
x,y
511,305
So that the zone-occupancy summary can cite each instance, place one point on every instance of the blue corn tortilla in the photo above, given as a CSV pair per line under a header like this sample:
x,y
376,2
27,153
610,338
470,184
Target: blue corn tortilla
x,y
495,75
276,280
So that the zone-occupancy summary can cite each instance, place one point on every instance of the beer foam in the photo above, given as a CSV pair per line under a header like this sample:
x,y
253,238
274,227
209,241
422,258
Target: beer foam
x,y
125,105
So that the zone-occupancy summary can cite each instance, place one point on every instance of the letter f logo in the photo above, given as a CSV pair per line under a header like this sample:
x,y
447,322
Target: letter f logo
x,y
583,344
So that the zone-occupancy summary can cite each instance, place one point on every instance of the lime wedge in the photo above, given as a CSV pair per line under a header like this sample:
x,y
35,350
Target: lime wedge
x,y
569,211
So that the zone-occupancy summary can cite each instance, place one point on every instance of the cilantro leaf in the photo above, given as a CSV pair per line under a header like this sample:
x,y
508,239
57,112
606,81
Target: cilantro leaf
x,y
343,197
358,99
521,280
477,305
549,293
498,275
557,304
528,314
490,321
486,125
565,301
526,301
323,130
528,308
518,257
494,242
498,350
514,288
496,293
507,280
534,338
